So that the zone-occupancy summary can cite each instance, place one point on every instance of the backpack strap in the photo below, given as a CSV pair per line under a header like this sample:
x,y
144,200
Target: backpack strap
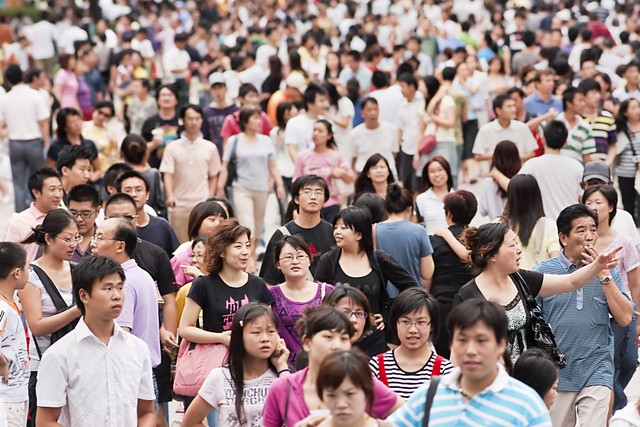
x,y
285,232
374,235
437,365
431,393
381,370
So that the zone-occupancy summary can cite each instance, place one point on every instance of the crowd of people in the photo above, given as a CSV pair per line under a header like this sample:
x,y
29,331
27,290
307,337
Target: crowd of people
x,y
320,213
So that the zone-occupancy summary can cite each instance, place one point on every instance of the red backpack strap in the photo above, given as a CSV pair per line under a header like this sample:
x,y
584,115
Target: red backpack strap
x,y
381,370
436,365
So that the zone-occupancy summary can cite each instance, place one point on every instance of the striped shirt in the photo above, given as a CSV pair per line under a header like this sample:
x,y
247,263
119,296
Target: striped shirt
x,y
580,140
404,382
627,168
506,402
603,130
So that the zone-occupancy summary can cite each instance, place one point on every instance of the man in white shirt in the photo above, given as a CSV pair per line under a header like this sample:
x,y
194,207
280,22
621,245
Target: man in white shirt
x,y
175,62
297,135
252,72
408,123
43,35
72,34
98,371
631,89
356,69
16,53
389,98
270,48
373,136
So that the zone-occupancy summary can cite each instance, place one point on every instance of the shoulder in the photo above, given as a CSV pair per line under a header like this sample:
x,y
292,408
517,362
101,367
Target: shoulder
x,y
551,265
527,399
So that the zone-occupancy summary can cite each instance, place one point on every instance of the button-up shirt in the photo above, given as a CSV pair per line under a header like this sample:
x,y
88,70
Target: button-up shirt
x,y
537,106
21,225
96,385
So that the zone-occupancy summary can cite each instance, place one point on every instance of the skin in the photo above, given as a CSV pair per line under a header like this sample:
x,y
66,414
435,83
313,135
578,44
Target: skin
x,y
79,173
551,394
296,286
348,406
414,347
86,226
50,196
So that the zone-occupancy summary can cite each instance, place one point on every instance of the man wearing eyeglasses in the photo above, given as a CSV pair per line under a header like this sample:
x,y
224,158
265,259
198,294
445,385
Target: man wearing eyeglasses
x,y
74,167
84,205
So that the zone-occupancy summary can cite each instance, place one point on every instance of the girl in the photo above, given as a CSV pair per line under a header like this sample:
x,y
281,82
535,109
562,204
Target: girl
x,y
628,149
257,356
536,369
375,177
415,322
437,182
506,159
193,271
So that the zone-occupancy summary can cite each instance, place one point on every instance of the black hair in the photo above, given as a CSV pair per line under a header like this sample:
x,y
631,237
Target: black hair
x,y
131,174
517,90
355,295
144,82
359,220
13,74
332,93
228,206
555,134
374,204
194,107
529,38
426,182
245,89
484,242
310,94
297,242
432,84
323,318
499,101
283,108
536,369
342,365
368,100
170,87
103,104
398,199
61,120
609,193
621,120
90,270
462,205
363,183
125,232
84,193
133,149
36,179
12,256
70,154
119,199
571,213
245,114
380,79
410,301
307,180
506,159
568,96
113,173
202,211
472,311
524,206
449,73
409,79
588,85
31,74
53,224
331,142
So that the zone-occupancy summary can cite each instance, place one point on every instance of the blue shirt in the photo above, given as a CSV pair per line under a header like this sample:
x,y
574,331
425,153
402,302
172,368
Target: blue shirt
x,y
536,106
580,322
506,402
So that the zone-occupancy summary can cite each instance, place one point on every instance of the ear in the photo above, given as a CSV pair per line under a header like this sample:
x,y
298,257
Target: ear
x,y
358,236
564,239
305,343
84,296
48,239
64,171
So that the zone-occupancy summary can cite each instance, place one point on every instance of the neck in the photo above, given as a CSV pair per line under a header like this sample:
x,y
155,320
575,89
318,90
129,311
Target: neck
x,y
143,96
571,117
308,219
295,283
504,122
422,353
48,260
253,367
144,217
166,113
192,136
102,328
322,148
74,138
574,258
41,208
361,422
441,189
66,186
472,388
351,249
549,150
7,288
380,187
374,124
633,124
588,110
396,217
231,274
90,232
312,114
604,228
493,275
543,96
250,134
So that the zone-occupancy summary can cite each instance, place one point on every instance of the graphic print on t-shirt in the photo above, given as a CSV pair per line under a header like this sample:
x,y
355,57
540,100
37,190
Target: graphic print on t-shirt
x,y
232,305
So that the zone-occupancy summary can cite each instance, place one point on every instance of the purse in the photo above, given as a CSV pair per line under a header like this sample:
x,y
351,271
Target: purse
x,y
428,142
539,333
232,166
194,363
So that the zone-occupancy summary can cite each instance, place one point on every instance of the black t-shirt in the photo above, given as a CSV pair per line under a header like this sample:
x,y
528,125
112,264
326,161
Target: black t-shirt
x,y
58,145
533,280
171,129
370,285
219,301
155,261
450,273
160,233
320,239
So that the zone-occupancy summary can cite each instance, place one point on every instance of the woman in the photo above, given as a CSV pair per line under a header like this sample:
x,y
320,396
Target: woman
x,y
69,132
470,86
194,269
284,112
537,235
272,83
97,130
332,72
497,81
506,160
85,101
414,321
257,356
628,148
355,261
450,272
536,369
325,161
292,297
65,82
324,331
438,182
375,177
59,236
340,113
495,252
255,163
414,250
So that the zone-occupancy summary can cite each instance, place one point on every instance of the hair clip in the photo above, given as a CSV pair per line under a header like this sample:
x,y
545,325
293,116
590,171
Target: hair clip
x,y
241,323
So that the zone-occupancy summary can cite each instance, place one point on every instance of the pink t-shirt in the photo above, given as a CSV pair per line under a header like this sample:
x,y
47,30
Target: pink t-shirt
x,y
627,258
274,408
309,162
68,81
181,257
231,126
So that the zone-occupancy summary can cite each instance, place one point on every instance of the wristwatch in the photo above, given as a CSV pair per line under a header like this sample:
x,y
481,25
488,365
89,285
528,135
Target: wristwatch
x,y
605,280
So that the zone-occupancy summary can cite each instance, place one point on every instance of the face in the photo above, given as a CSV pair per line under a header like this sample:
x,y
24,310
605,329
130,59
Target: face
x,y
197,255
85,215
477,351
103,243
74,125
633,111
124,210
588,70
414,329
254,123
631,75
79,173
137,88
437,174
50,196
370,112
592,98
260,337
584,233
321,104
106,299
166,99
294,263
333,61
550,396
599,203
546,84
236,255
320,135
137,189
508,110
311,198
345,236
103,115
209,224
251,99
578,103
408,91
347,403
508,256
379,172
64,244
463,70
324,343
517,100
219,92
192,121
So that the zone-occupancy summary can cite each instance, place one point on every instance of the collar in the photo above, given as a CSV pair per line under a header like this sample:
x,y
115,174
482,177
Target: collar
x,y
498,127
129,264
37,213
537,98
82,331
184,137
499,383
565,263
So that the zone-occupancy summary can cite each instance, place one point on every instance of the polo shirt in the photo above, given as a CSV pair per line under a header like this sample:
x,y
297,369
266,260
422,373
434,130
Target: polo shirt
x,y
21,225
580,322
537,106
492,133
21,109
506,402
604,132
409,121
580,140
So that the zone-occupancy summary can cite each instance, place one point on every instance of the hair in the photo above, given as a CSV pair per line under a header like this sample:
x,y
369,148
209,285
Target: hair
x,y
70,154
245,89
245,315
227,204
88,271
113,173
53,224
12,256
484,242
331,142
517,90
125,232
355,295
506,159
587,85
332,93
119,199
359,220
310,94
283,108
368,100
64,59
134,149
226,234
170,87
107,104
297,242
398,199
131,174
568,96
432,84
499,101
609,193
84,193
193,107
363,183
462,205
466,314
524,206
341,365
374,204
426,183
571,213
61,120
408,79
449,73
536,369
202,211
307,180
379,79
13,74
555,134
245,114
323,318
621,120
36,179
410,301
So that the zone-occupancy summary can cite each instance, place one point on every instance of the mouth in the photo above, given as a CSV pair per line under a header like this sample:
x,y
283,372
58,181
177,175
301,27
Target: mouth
x,y
266,348
116,307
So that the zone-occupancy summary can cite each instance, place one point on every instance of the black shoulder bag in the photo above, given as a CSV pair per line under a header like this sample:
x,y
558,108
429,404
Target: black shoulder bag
x,y
431,393
232,166
539,333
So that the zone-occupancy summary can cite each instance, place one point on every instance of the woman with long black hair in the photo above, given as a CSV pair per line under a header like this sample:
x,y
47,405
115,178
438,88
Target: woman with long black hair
x,y
506,160
375,177
628,149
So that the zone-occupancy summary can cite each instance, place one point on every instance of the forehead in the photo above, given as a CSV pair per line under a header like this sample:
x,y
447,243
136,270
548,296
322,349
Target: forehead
x,y
312,187
347,302
81,163
585,221
107,226
109,279
480,328
117,209
79,206
51,181
132,181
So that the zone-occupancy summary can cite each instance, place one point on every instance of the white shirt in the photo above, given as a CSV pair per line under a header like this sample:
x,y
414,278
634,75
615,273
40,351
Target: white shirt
x,y
21,109
176,59
144,47
96,385
42,35
69,36
623,223
254,75
14,349
263,54
389,102
408,123
492,133
298,132
367,142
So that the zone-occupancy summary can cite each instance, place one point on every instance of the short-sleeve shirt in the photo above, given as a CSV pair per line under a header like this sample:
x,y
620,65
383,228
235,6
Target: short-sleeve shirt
x,y
492,133
298,132
68,81
530,257
309,162
159,232
431,209
580,140
170,132
367,142
154,260
14,349
252,161
57,146
219,301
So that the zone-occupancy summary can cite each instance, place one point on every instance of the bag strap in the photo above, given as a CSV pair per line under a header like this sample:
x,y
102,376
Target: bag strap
x,y
51,288
374,235
437,365
286,404
285,232
633,149
431,393
323,290
381,370
539,236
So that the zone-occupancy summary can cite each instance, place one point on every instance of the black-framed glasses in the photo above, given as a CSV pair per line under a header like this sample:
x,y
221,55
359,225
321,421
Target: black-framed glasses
x,y
83,214
359,314
127,217
71,241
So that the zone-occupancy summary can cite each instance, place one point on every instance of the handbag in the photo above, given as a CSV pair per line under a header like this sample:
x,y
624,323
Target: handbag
x,y
232,166
539,333
428,142
194,363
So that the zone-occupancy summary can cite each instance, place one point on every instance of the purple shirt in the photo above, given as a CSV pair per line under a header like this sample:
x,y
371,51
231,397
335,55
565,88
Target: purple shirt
x,y
274,408
140,309
288,312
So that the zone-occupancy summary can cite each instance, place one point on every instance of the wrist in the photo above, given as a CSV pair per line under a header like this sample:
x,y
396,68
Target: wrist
x,y
284,370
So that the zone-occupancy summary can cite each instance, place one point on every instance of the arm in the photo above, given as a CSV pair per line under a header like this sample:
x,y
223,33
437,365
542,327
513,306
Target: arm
x,y
97,170
448,121
213,185
197,412
426,271
586,158
619,305
611,155
168,188
483,157
169,327
44,129
275,175
292,149
222,178
456,246
346,175
188,330
32,308
499,178
146,415
535,122
48,417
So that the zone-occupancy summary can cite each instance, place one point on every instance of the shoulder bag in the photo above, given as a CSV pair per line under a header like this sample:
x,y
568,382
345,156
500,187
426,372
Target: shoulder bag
x,y
232,166
429,141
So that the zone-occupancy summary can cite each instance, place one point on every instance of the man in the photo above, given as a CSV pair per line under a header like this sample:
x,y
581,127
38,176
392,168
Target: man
x,y
543,99
116,239
162,128
580,322
297,135
479,338
46,188
97,371
309,193
176,62
142,105
92,76
150,228
14,357
74,166
26,115
190,166
84,206
252,73
408,123
413,50
528,55
505,127
373,136
631,75
43,36
580,143
217,111
389,98
355,69
603,124
270,48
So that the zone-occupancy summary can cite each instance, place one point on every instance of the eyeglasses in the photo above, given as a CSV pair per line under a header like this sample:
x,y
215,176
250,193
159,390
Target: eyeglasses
x,y
308,193
83,214
289,258
138,190
197,255
127,217
71,241
359,314
420,324
98,239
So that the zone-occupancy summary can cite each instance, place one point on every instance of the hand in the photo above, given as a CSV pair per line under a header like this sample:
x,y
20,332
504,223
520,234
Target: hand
x,y
604,260
168,340
552,113
192,271
378,321
171,203
310,421
4,369
156,141
416,161
337,172
280,356
442,232
225,338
